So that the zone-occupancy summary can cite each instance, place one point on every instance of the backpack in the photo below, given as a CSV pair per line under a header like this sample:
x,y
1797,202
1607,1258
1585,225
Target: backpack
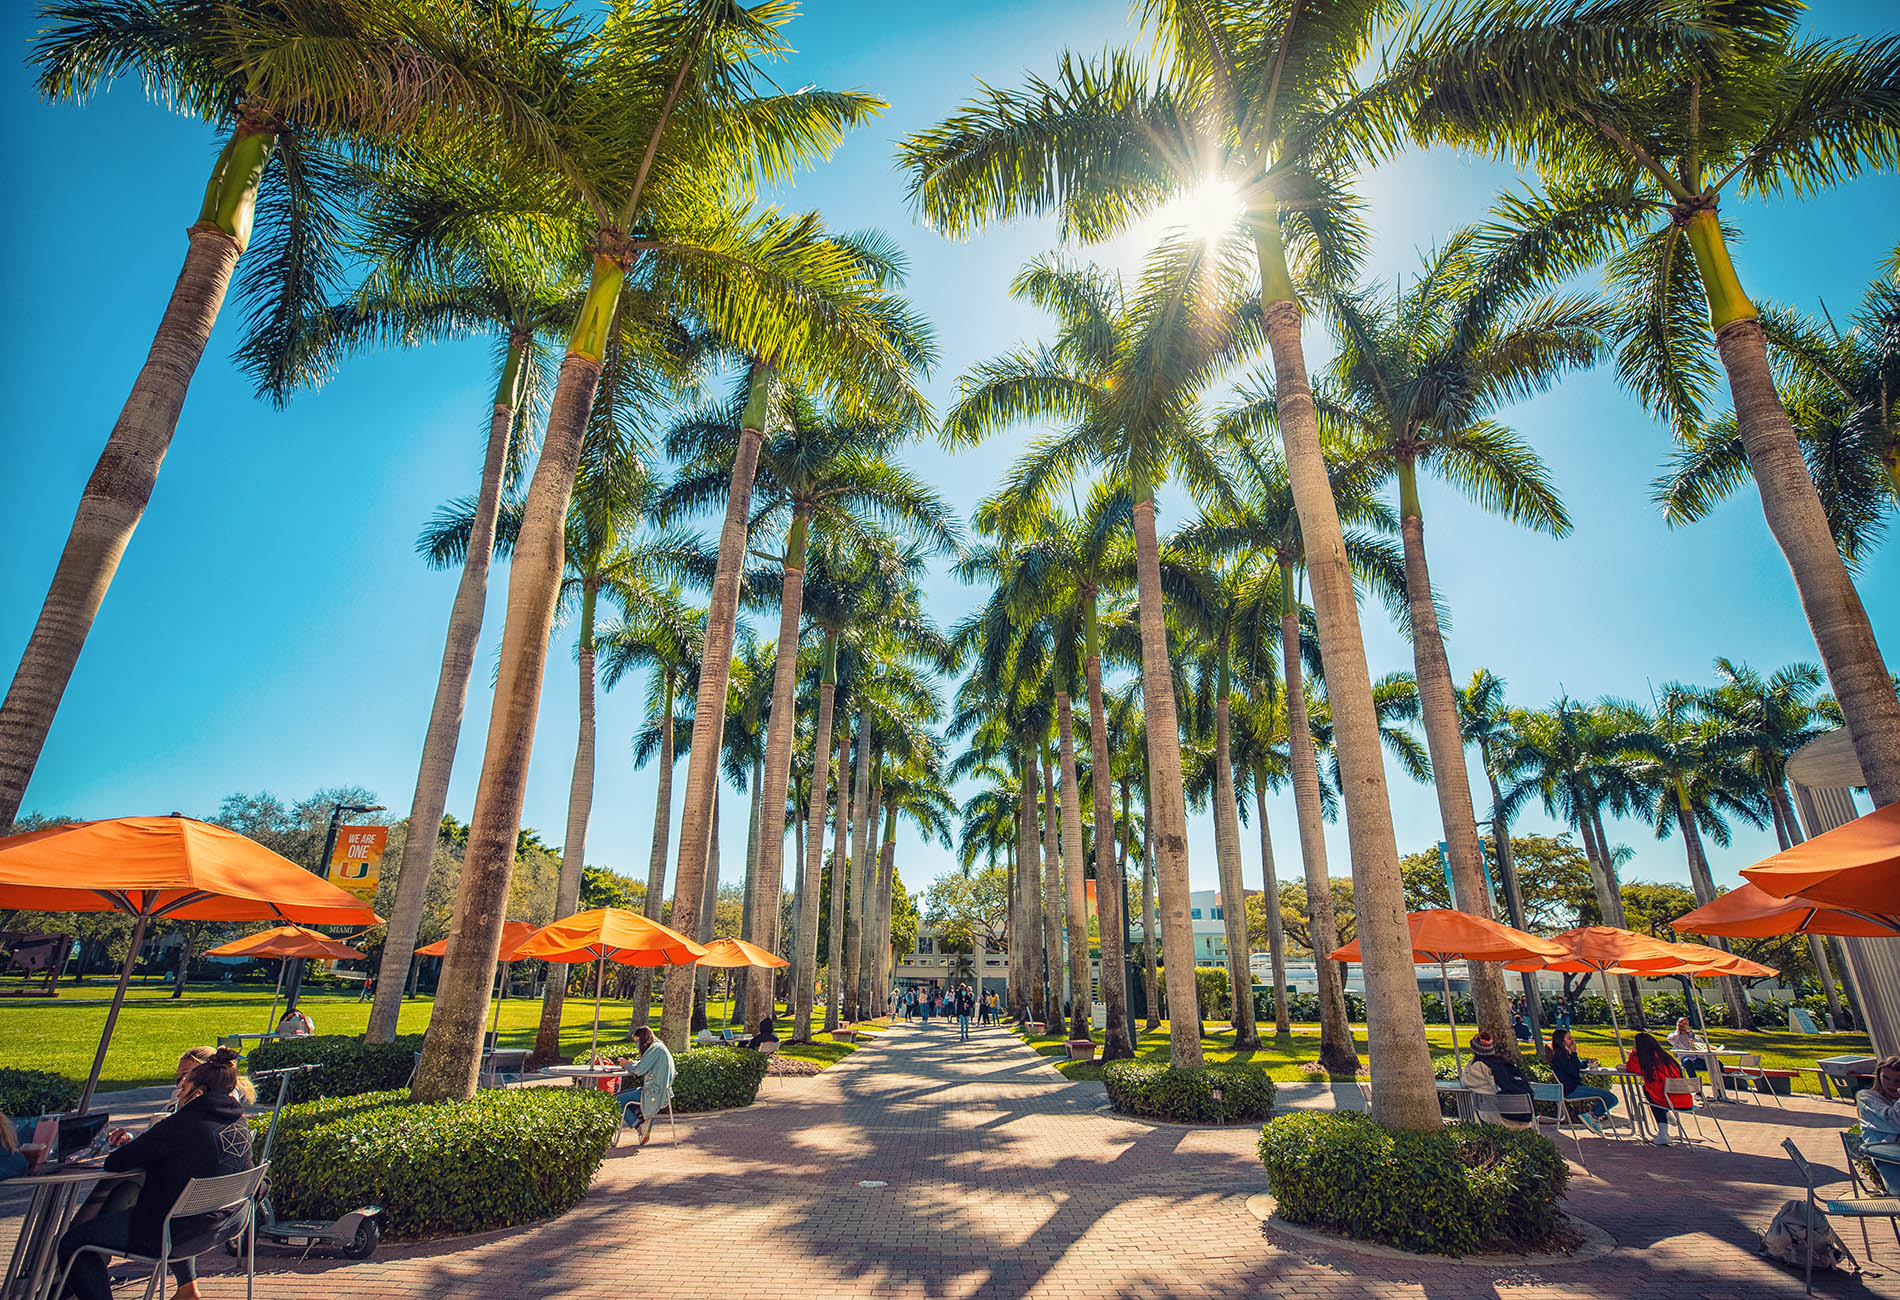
x,y
1787,1236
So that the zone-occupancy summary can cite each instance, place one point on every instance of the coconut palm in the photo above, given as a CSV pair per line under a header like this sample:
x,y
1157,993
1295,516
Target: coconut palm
x,y
1842,391
290,109
1418,379
1651,110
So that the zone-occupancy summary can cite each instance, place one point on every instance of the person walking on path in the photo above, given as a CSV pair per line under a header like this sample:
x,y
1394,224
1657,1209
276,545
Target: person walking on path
x,y
966,1005
923,1008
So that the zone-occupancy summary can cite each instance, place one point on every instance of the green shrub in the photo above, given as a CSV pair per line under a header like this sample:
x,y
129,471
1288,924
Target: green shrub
x,y
1449,1191
716,1078
25,1093
350,1066
1153,1090
504,1157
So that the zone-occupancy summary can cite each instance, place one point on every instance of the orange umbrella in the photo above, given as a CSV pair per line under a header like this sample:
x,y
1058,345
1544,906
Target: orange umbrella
x,y
285,942
1602,948
177,868
728,953
1441,935
610,934
1698,959
1749,912
1856,867
513,935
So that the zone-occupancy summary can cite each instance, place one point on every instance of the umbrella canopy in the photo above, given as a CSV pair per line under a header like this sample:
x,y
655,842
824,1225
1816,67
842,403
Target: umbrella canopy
x,y
1602,948
286,941
175,867
1855,866
1748,912
615,934
737,952
1440,934
1700,959
513,935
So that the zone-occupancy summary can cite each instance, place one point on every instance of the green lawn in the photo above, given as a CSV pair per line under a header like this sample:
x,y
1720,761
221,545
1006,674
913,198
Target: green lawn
x,y
1283,1059
61,1034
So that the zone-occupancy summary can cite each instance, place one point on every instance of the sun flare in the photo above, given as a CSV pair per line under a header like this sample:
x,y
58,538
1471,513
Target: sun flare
x,y
1208,211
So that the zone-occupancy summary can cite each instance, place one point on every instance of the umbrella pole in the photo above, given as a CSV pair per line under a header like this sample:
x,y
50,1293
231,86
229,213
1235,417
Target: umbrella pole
x,y
1610,997
271,1023
1444,982
1702,1027
502,979
600,971
112,1016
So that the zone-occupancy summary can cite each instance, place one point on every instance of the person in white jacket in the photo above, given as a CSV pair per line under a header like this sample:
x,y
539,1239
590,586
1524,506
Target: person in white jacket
x,y
654,1070
1879,1108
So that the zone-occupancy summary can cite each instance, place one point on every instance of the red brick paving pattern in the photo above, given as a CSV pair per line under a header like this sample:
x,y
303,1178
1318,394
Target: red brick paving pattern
x,y
1003,1180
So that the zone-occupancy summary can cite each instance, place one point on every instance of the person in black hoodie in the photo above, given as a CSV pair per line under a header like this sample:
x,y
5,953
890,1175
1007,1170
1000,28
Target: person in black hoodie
x,y
206,1136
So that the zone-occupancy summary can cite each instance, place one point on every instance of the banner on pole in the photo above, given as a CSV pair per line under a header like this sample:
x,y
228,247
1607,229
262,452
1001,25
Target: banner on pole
x,y
356,862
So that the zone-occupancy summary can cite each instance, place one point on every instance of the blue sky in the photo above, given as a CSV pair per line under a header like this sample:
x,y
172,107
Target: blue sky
x,y
271,628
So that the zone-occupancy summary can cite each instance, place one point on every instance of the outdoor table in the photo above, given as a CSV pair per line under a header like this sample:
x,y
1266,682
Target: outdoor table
x,y
56,1196
1632,1086
1461,1097
580,1072
236,1042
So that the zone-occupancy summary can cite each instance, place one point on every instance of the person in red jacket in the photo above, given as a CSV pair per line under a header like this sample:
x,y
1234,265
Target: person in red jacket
x,y
1653,1061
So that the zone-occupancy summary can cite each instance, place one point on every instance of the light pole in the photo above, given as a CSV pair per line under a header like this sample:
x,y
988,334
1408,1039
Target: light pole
x,y
321,867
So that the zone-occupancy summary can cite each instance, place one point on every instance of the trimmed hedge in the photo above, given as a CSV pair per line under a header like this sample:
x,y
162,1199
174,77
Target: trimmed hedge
x,y
1450,1191
716,1078
505,1157
25,1093
1156,1091
350,1066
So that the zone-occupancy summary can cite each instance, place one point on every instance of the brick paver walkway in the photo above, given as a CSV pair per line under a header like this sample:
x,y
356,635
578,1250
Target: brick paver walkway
x,y
1000,1178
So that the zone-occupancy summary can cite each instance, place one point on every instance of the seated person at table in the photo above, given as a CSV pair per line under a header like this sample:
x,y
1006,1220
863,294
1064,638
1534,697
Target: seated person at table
x,y
1879,1108
205,1138
767,1034
1491,1073
295,1024
654,1070
1688,1047
1653,1061
12,1159
1586,1102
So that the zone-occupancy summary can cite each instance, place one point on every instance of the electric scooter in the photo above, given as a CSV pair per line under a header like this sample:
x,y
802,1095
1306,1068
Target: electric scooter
x,y
353,1236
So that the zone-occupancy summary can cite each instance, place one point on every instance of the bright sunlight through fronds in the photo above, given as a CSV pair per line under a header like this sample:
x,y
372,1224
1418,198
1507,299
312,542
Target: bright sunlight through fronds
x,y
1208,211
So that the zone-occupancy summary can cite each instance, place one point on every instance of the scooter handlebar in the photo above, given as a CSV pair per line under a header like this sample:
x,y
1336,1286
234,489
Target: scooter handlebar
x,y
305,1068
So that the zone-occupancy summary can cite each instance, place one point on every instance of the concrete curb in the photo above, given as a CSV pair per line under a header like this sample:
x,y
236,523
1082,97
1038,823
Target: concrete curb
x,y
1596,1243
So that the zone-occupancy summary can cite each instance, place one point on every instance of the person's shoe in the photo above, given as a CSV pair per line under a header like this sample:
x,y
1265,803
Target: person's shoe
x,y
1661,1140
1589,1118
646,1131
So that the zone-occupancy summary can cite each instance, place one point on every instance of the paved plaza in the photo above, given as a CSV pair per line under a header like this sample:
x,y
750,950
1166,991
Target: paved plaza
x,y
993,1176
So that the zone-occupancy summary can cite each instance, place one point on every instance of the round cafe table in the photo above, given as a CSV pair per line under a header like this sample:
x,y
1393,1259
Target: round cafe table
x,y
56,1196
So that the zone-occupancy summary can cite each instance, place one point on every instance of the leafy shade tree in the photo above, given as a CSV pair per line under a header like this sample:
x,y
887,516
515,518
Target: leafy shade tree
x,y
289,106
1632,111
971,911
653,144
1840,390
1419,377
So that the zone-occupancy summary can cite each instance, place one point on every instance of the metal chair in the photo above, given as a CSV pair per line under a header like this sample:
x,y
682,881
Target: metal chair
x,y
1565,1119
1862,1208
1750,1070
232,1198
1691,1088
629,1120
1855,1146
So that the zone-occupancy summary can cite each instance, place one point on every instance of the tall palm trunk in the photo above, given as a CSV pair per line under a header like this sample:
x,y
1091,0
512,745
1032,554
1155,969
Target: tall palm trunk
x,y
1795,516
866,913
1276,931
709,717
1438,710
1227,860
1338,1053
841,819
1632,992
115,497
1051,899
740,980
1703,882
1151,984
662,826
1027,1002
779,733
1513,896
1404,1093
805,991
1080,999
580,802
1111,889
1012,926
1167,825
1788,834
445,715
708,902
451,1056
854,917
886,882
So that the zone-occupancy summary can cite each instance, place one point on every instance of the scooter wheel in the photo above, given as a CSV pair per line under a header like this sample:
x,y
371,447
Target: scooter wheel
x,y
363,1245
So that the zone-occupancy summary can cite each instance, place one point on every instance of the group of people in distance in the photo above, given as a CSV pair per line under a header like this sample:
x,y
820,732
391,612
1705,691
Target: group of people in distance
x,y
962,1002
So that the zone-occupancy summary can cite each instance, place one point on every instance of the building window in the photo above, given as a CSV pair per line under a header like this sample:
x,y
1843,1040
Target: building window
x,y
1195,913
1217,914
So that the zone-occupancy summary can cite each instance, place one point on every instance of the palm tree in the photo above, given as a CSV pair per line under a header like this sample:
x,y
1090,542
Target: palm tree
x,y
1485,720
822,476
1637,110
1840,393
1261,761
1418,378
649,135
291,109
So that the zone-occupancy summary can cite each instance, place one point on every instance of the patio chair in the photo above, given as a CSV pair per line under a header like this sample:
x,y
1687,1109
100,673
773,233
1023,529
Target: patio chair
x,y
1565,1120
1692,1089
629,1120
1855,1145
1862,1208
1754,1076
231,1198
1517,1107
